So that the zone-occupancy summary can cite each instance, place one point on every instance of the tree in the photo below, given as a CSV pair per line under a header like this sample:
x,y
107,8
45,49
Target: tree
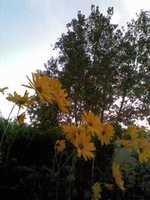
x,y
89,68
135,69
105,69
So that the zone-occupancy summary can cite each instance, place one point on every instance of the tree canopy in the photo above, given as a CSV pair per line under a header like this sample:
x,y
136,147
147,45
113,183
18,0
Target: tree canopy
x,y
104,68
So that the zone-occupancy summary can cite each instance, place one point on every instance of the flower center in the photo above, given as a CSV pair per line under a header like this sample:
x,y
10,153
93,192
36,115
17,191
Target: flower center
x,y
103,132
141,150
90,123
81,146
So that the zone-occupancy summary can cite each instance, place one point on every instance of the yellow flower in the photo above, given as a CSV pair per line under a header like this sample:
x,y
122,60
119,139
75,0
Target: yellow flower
x,y
126,143
40,83
96,191
104,132
132,132
70,132
116,173
21,118
143,150
107,133
49,91
132,143
93,123
59,95
84,146
2,90
19,100
60,146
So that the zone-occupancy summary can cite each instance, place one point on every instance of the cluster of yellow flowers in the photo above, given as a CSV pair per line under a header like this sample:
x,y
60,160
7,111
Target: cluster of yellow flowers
x,y
81,136
19,100
104,131
137,143
49,91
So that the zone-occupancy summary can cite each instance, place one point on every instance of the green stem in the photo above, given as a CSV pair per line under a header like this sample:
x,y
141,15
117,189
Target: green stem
x,y
92,170
18,111
59,170
5,130
61,167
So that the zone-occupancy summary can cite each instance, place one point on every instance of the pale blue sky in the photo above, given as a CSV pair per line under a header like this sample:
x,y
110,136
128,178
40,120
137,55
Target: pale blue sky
x,y
29,29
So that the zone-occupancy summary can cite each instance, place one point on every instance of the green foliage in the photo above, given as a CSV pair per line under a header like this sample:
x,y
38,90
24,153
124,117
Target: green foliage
x,y
87,63
98,64
104,68
43,116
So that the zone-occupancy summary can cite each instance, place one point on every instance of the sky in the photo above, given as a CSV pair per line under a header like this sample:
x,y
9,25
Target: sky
x,y
30,28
